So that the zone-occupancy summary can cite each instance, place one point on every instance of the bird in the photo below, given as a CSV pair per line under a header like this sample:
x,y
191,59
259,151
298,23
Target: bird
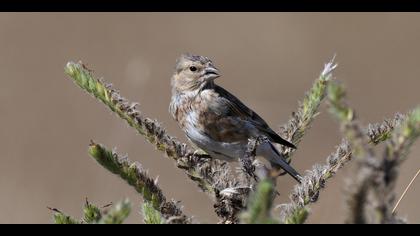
x,y
216,121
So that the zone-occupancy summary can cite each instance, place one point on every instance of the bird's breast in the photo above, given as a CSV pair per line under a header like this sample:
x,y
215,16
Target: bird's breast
x,y
193,109
205,114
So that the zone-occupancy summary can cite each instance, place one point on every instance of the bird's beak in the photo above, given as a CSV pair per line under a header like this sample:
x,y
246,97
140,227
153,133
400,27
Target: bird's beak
x,y
211,73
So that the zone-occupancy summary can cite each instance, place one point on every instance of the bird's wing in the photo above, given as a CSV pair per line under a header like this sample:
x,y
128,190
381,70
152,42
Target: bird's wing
x,y
237,108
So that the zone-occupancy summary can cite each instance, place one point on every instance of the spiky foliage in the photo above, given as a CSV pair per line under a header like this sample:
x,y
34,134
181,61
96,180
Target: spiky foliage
x,y
62,219
346,116
308,191
370,193
380,132
403,138
151,215
137,177
385,172
93,215
302,119
212,176
117,214
369,197
207,175
296,211
259,206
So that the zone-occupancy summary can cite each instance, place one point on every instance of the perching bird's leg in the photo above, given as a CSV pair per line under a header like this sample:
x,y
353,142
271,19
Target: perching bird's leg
x,y
201,153
248,160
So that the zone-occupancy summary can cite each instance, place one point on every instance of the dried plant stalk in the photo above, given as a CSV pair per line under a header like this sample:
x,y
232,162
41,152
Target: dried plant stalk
x,y
405,191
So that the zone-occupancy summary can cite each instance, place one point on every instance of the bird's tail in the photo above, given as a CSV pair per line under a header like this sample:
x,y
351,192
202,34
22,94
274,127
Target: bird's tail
x,y
272,154
289,169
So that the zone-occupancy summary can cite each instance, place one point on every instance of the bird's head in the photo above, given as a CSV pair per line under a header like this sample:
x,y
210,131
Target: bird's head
x,y
193,72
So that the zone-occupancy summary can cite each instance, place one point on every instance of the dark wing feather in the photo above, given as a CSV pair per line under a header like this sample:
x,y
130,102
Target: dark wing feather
x,y
240,109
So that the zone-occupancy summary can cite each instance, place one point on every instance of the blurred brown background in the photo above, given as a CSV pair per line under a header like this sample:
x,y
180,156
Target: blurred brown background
x,y
268,60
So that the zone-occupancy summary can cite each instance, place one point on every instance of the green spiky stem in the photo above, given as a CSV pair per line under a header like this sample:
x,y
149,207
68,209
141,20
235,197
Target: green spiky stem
x,y
136,177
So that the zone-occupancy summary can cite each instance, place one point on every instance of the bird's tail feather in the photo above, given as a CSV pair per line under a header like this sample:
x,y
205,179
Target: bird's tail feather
x,y
279,161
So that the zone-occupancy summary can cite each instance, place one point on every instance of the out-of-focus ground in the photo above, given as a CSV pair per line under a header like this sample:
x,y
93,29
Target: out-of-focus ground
x,y
268,60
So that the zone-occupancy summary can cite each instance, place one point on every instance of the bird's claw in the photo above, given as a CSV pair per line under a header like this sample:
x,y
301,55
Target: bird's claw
x,y
201,153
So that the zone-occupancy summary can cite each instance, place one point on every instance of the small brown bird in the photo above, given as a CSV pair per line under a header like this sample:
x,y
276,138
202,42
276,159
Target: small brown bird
x,y
215,120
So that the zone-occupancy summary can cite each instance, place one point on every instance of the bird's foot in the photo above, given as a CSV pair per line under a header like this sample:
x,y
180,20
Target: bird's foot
x,y
201,153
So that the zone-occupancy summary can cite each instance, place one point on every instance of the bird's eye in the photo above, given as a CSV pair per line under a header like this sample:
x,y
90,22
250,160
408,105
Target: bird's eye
x,y
193,68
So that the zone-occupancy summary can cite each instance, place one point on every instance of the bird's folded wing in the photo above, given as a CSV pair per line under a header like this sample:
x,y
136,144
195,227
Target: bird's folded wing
x,y
239,111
